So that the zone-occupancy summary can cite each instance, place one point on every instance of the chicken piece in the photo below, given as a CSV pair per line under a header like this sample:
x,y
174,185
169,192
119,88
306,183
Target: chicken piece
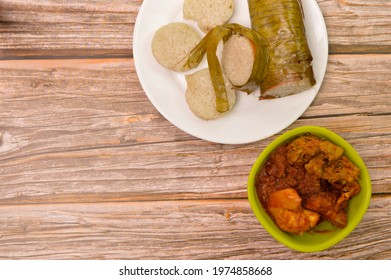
x,y
276,163
340,219
303,148
286,182
265,186
341,171
331,151
325,203
348,191
286,210
308,185
322,202
315,166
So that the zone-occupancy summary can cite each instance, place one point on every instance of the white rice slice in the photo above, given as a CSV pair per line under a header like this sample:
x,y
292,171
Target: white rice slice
x,y
292,85
201,98
172,42
208,13
237,59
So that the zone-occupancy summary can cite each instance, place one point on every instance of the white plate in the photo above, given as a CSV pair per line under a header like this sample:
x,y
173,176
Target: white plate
x,y
250,120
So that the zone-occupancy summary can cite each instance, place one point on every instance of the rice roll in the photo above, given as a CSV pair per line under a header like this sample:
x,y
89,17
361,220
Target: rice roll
x,y
281,23
208,46
200,95
237,59
172,42
208,13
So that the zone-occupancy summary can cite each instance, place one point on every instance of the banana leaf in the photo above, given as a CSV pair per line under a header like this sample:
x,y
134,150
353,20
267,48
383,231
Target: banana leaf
x,y
281,23
208,46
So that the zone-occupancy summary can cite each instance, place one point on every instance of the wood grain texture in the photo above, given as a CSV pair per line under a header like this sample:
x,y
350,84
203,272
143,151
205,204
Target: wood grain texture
x,y
89,169
62,28
84,124
354,84
48,28
358,26
169,230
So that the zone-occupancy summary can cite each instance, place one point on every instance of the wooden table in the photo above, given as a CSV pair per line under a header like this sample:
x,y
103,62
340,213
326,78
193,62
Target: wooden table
x,y
89,169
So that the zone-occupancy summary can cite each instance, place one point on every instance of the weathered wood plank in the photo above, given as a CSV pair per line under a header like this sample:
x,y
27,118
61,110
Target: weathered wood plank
x,y
169,230
71,128
354,84
47,28
67,28
168,170
358,26
160,171
351,83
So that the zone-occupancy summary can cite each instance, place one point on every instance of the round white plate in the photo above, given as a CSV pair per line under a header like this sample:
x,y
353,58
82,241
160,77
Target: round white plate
x,y
250,120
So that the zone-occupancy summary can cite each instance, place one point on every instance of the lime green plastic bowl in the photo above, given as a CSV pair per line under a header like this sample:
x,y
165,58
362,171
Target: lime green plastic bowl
x,y
324,235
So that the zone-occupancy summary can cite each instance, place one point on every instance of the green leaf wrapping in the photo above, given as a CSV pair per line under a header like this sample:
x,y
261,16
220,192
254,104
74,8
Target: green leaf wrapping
x,y
281,23
208,46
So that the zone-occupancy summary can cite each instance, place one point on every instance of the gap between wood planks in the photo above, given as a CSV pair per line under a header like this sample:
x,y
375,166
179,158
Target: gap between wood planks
x,y
44,201
347,114
65,54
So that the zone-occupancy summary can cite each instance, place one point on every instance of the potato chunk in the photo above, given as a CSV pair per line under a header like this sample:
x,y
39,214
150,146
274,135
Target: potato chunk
x,y
286,210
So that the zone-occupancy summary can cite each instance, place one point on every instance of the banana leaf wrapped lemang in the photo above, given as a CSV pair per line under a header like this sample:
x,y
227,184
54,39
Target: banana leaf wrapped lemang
x,y
208,46
281,23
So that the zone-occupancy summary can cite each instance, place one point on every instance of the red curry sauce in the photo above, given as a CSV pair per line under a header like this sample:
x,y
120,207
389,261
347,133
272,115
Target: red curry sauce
x,y
315,175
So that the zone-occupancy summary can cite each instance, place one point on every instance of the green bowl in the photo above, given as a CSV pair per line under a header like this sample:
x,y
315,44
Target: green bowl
x,y
324,235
